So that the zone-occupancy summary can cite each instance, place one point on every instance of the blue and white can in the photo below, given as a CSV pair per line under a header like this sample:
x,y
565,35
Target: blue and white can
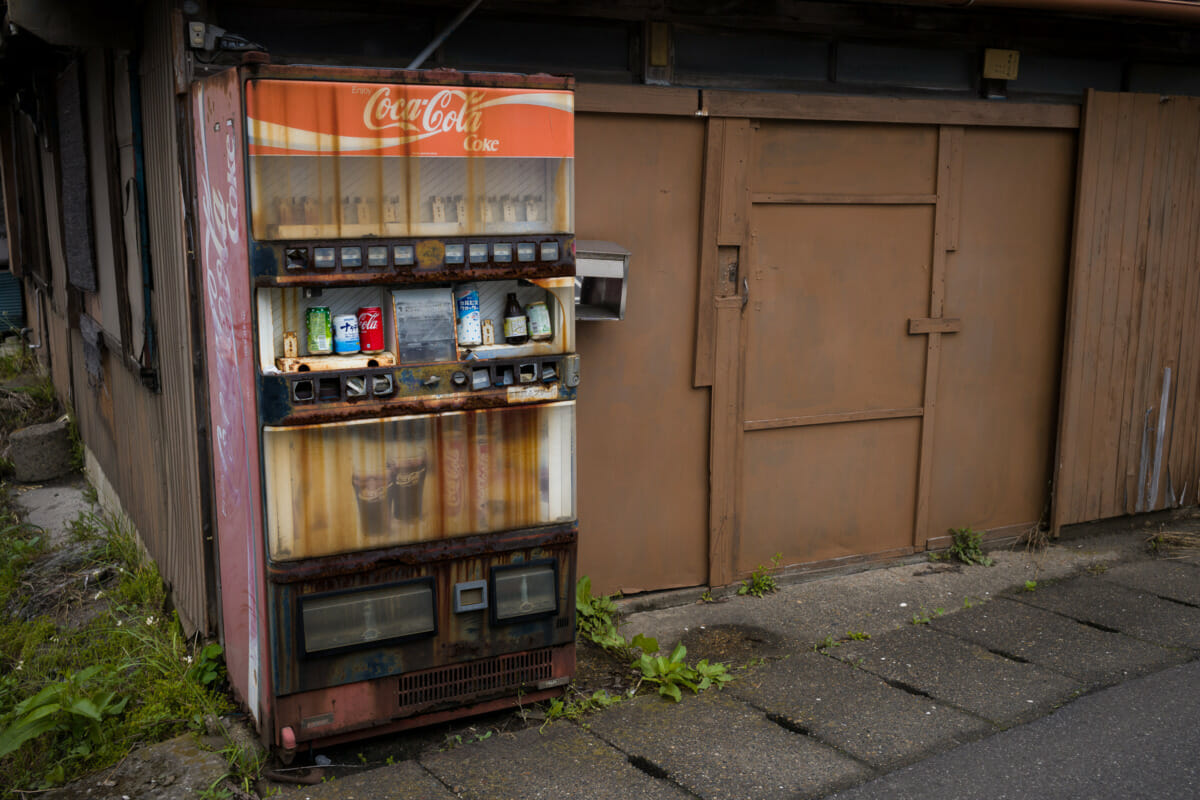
x,y
466,305
345,333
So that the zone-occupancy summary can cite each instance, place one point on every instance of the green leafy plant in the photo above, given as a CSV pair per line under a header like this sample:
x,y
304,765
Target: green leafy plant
x,y
1031,586
924,617
595,617
761,581
707,596
68,707
583,704
857,636
967,547
826,643
671,672
208,666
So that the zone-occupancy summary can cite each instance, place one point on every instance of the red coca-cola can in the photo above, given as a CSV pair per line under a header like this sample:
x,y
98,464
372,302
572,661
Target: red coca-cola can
x,y
370,329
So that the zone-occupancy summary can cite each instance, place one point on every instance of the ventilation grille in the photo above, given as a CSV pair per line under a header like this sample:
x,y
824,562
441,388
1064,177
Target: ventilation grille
x,y
477,678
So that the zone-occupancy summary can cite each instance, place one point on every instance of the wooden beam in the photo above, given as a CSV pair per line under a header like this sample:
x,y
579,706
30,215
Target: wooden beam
x,y
608,98
941,325
725,443
833,108
844,199
949,160
710,209
828,419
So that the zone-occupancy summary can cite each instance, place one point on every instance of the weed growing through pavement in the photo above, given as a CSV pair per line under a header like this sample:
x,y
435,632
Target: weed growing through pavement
x,y
595,621
761,581
967,547
924,617
1030,586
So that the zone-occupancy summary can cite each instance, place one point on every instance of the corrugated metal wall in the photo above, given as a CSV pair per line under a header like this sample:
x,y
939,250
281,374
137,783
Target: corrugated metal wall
x,y
1129,434
146,443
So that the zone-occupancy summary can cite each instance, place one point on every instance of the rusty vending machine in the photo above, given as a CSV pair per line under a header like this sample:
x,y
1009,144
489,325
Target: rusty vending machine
x,y
387,295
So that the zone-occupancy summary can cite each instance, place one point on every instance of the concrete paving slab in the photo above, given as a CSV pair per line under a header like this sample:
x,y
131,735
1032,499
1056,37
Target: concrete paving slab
x,y
856,712
563,763
877,600
968,676
1129,611
403,781
1170,578
1090,656
716,746
54,507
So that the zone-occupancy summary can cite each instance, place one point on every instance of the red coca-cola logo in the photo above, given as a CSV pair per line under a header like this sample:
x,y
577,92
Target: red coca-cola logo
x,y
448,110
369,319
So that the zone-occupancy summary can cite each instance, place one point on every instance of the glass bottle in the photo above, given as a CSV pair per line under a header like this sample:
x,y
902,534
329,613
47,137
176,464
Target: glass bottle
x,y
516,326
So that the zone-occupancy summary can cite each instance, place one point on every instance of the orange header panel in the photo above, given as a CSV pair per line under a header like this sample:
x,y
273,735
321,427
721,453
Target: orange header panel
x,y
372,119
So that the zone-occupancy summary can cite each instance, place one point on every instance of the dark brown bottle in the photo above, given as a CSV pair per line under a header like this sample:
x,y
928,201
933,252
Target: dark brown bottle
x,y
516,326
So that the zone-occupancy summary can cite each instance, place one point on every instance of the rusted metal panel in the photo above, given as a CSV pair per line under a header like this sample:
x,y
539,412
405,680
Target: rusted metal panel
x,y
997,391
1128,433
229,348
382,482
460,636
344,713
640,421
828,491
832,158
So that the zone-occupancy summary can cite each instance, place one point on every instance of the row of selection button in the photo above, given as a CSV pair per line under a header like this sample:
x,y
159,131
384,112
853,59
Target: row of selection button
x,y
404,255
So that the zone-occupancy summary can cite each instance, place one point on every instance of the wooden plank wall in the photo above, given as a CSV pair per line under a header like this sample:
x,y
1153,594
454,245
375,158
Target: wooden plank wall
x,y
1129,433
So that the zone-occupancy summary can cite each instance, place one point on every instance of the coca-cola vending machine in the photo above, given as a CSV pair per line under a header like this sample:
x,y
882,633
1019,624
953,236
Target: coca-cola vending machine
x,y
388,304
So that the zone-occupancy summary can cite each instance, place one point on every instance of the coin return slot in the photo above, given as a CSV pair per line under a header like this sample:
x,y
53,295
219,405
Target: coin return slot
x,y
356,386
302,391
527,373
329,389
297,257
504,375
382,385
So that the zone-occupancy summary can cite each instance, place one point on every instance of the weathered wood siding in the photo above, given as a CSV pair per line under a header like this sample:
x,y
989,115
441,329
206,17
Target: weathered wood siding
x,y
1129,435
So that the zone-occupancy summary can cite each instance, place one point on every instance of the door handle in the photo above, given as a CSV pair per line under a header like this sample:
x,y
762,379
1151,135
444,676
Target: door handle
x,y
745,292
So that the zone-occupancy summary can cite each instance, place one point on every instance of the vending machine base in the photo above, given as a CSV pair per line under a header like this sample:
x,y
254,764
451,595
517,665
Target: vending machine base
x,y
347,713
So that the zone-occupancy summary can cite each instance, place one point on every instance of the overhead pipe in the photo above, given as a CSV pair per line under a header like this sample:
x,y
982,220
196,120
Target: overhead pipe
x,y
1186,10
444,35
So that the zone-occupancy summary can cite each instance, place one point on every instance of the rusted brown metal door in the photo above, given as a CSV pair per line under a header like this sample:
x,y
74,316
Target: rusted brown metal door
x,y
1129,440
839,228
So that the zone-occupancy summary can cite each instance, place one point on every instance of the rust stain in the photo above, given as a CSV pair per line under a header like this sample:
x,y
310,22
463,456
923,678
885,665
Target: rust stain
x,y
383,482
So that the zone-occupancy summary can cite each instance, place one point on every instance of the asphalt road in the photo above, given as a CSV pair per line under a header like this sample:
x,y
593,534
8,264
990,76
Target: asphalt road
x,y
1140,739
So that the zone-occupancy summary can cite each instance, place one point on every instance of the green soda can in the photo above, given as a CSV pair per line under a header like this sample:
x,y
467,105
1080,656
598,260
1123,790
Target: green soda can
x,y
319,323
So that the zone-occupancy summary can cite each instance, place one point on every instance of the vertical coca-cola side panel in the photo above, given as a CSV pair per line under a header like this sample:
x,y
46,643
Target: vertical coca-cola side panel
x,y
229,351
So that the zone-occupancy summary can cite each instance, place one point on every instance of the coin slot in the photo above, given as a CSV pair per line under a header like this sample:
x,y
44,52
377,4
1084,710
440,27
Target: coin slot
x,y
356,386
527,373
302,391
549,371
481,378
329,389
504,375
296,257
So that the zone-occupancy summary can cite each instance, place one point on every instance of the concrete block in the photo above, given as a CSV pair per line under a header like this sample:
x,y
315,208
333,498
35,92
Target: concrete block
x,y
856,712
40,452
1087,654
719,748
563,763
953,671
